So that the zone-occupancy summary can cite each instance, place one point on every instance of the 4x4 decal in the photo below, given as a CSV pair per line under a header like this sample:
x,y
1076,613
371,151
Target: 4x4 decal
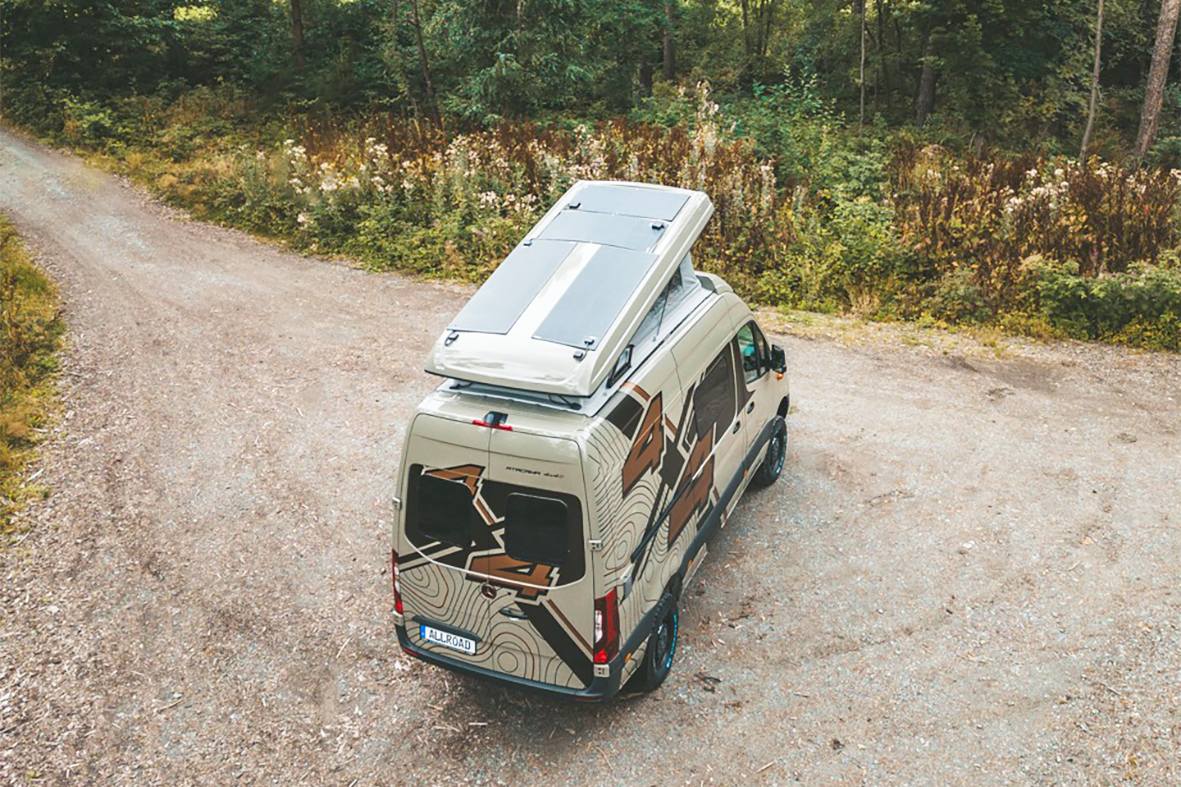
x,y
682,454
486,555
648,447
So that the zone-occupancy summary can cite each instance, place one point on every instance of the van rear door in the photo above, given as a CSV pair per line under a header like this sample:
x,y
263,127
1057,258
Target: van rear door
x,y
542,607
445,524
494,551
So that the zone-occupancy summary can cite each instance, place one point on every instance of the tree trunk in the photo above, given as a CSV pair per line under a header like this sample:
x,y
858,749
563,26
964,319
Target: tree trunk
x,y
883,69
746,43
1082,155
670,45
925,104
297,32
646,73
861,77
426,68
1158,74
769,9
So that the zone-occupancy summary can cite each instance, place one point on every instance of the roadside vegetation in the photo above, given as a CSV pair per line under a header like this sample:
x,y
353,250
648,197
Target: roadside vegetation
x,y
30,334
428,137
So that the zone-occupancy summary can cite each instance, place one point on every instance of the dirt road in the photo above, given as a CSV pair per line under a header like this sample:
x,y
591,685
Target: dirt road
x,y
968,574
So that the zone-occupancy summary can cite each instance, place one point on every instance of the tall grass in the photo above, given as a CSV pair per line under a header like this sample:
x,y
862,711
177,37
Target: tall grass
x,y
30,330
993,215
868,225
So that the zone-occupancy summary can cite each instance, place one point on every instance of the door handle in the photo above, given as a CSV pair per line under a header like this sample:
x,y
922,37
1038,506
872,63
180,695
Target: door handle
x,y
750,408
737,426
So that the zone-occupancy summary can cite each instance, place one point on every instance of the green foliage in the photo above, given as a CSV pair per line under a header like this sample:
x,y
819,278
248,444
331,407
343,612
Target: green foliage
x,y
428,136
958,298
1140,307
30,331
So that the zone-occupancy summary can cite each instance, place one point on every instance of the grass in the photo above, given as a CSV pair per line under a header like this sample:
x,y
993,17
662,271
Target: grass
x,y
31,332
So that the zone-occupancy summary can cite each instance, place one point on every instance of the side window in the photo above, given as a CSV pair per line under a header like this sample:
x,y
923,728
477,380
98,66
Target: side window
x,y
444,512
713,400
536,529
752,348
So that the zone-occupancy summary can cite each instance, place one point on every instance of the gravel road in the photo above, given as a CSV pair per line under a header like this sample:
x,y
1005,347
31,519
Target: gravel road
x,y
967,575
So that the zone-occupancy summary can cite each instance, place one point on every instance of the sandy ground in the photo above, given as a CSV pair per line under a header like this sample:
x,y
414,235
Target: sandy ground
x,y
967,575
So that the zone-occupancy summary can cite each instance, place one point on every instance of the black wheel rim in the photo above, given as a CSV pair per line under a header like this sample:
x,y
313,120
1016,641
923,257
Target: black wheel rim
x,y
665,640
779,444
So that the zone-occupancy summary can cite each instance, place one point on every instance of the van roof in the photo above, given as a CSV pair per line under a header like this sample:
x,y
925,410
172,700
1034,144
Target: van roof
x,y
555,315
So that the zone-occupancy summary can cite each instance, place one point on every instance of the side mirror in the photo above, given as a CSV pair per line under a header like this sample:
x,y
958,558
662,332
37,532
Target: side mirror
x,y
778,359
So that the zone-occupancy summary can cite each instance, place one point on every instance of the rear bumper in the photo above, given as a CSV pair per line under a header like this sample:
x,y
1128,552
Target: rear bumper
x,y
598,690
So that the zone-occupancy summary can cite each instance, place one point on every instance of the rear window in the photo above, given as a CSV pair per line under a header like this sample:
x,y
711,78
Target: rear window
x,y
483,518
536,529
445,511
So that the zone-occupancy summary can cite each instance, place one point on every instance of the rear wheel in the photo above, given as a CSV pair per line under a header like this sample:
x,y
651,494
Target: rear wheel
x,y
662,646
772,465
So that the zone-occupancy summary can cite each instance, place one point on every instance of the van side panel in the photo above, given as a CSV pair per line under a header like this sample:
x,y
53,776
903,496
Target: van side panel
x,y
655,469
625,451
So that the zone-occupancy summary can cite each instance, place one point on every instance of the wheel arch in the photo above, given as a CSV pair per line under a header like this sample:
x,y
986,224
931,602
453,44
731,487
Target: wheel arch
x,y
784,406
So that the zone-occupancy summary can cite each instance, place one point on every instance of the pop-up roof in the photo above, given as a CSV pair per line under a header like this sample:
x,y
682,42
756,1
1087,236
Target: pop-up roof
x,y
555,315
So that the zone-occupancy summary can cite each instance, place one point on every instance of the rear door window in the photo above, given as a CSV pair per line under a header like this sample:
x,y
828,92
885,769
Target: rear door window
x,y
444,510
536,529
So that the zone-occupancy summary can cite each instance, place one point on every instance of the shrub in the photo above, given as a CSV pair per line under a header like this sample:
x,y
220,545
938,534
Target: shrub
x,y
1125,307
958,299
990,215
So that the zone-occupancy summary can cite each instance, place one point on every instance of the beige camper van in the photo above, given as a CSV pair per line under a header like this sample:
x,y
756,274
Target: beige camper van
x,y
603,407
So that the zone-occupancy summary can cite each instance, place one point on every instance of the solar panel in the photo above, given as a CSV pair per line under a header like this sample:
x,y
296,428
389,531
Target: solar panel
x,y
627,232
592,303
625,201
511,288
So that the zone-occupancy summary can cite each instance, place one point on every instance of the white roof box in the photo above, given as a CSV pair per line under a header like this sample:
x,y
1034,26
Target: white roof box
x,y
554,316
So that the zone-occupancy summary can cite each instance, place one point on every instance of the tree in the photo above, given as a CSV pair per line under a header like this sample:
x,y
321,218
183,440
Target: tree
x,y
297,33
861,74
670,45
925,103
758,20
1158,74
422,58
1094,84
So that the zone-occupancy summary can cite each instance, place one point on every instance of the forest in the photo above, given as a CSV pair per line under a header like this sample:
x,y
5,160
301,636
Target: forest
x,y
1001,163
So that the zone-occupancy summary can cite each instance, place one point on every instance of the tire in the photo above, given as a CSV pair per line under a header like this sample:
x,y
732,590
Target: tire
x,y
662,647
772,466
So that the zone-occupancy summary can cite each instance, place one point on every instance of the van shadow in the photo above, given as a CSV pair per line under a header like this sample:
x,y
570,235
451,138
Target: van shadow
x,y
477,719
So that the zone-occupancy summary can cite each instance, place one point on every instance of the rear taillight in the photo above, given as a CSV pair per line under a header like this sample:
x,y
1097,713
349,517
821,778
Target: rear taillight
x,y
606,628
397,584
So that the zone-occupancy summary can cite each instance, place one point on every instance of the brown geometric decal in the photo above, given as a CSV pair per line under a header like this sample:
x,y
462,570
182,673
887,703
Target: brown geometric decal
x,y
468,475
512,572
648,446
695,498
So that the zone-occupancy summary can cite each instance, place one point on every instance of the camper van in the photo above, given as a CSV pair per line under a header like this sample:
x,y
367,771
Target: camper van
x,y
603,406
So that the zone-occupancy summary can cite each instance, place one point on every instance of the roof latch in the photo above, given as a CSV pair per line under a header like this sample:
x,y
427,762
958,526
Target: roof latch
x,y
451,337
574,206
579,355
590,341
658,225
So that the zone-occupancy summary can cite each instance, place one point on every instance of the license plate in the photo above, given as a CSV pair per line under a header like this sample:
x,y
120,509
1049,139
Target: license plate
x,y
447,639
